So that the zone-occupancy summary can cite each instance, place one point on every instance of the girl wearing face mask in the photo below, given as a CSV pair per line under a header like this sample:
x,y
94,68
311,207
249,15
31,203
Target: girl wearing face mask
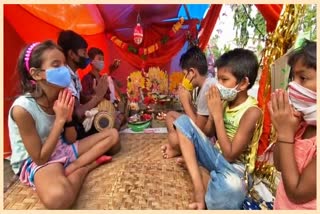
x,y
293,115
45,153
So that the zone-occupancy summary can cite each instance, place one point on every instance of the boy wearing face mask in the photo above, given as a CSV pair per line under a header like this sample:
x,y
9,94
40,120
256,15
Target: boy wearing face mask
x,y
74,47
293,116
234,119
195,68
89,81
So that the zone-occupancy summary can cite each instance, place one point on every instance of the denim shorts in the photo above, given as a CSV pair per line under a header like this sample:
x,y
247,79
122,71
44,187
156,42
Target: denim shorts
x,y
226,188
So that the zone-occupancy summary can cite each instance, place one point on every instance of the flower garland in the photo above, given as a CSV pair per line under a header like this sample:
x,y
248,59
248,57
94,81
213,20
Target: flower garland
x,y
143,52
175,78
157,81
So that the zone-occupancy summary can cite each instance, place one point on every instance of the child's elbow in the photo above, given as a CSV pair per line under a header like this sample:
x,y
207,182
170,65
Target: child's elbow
x,y
230,158
70,139
39,161
297,198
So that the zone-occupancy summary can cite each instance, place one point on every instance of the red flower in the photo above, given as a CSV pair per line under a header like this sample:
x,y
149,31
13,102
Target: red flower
x,y
148,100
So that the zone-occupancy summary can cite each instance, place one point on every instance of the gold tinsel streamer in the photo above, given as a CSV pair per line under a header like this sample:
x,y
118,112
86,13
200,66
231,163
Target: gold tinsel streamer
x,y
277,44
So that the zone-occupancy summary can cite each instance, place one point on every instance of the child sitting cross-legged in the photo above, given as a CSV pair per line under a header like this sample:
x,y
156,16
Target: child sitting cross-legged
x,y
233,118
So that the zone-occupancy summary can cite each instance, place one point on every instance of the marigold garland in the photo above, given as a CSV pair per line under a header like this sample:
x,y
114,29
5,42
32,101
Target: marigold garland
x,y
151,48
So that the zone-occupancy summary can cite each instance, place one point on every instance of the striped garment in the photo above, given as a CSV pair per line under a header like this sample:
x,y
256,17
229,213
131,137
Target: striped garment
x,y
64,153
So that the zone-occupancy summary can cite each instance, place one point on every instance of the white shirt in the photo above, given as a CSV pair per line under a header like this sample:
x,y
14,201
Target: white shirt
x,y
201,102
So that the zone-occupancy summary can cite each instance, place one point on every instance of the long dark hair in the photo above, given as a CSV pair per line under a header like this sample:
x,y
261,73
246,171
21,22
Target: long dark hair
x,y
307,53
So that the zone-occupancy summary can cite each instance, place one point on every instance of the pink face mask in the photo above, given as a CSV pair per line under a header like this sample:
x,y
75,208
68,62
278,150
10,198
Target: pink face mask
x,y
305,101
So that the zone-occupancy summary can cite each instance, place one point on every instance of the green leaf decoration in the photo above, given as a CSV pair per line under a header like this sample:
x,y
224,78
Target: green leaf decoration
x,y
132,49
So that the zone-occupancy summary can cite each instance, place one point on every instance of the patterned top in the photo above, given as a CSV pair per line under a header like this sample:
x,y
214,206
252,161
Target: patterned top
x,y
304,150
75,84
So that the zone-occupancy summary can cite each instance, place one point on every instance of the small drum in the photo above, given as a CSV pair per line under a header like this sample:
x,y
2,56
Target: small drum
x,y
106,117
106,105
104,120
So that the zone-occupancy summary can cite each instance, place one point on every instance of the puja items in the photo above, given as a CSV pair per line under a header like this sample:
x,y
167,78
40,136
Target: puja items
x,y
139,122
161,116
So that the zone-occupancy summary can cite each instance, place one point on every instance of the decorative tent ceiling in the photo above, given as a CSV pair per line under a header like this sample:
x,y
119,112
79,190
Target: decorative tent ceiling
x,y
24,24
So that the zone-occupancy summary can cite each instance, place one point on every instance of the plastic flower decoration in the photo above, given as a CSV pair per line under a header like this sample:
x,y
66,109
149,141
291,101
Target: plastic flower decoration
x,y
135,83
175,78
157,81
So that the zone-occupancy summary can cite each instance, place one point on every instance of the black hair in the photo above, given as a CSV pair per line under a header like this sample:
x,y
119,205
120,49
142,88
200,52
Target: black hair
x,y
70,40
242,62
307,53
94,52
194,58
35,60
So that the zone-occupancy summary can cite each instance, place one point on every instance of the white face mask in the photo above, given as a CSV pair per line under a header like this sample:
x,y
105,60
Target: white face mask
x,y
305,101
227,94
98,64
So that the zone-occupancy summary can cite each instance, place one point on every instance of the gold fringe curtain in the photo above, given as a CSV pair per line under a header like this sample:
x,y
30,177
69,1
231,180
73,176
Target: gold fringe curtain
x,y
277,44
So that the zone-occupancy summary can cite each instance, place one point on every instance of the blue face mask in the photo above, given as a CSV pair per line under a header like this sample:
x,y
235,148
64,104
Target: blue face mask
x,y
59,76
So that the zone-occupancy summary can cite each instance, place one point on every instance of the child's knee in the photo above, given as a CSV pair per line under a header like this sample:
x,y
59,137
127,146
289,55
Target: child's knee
x,y
114,136
59,196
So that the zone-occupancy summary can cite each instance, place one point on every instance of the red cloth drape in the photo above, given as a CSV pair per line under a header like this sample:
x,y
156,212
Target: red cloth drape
x,y
166,51
208,24
271,13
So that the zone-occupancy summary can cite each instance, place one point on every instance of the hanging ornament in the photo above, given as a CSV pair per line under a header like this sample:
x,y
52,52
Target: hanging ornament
x,y
138,32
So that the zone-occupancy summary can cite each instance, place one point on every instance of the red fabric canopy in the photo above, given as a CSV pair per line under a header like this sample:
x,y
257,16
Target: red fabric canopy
x,y
271,13
24,24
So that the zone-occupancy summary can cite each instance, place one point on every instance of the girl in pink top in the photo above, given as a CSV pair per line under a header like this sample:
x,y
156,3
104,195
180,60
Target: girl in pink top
x,y
293,115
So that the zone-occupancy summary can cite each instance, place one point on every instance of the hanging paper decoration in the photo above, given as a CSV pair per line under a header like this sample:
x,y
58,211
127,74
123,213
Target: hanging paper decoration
x,y
143,52
138,32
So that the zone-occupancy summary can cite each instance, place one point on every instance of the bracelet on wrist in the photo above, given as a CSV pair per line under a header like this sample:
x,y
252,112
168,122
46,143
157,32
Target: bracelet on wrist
x,y
286,142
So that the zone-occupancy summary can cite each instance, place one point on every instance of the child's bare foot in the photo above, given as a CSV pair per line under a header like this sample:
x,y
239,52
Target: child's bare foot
x,y
168,151
99,161
180,161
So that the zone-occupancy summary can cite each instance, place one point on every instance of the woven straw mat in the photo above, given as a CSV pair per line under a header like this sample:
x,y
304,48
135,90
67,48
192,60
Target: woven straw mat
x,y
137,178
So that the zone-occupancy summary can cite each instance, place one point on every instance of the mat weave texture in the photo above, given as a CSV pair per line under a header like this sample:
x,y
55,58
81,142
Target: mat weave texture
x,y
137,178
